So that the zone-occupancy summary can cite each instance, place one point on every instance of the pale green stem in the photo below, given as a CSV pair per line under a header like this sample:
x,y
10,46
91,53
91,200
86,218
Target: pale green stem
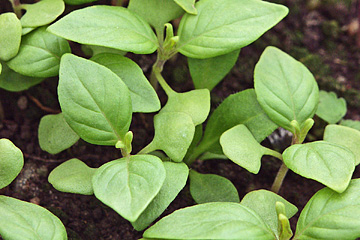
x,y
16,5
279,178
273,153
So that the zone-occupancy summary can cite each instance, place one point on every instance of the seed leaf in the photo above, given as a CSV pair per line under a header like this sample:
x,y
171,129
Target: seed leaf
x,y
10,37
351,123
187,5
331,108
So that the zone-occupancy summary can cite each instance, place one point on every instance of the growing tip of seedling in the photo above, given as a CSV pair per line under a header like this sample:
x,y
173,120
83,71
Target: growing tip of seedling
x,y
120,144
280,208
296,127
128,141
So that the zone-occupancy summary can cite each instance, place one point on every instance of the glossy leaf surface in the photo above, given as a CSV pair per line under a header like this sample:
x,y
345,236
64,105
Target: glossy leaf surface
x,y
143,95
211,221
187,5
10,36
330,215
11,162
176,176
206,188
23,220
331,108
39,54
322,161
129,185
100,108
72,176
107,26
220,28
207,73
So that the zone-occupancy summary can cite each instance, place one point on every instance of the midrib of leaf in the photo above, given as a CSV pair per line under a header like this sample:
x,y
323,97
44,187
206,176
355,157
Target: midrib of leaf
x,y
43,49
288,90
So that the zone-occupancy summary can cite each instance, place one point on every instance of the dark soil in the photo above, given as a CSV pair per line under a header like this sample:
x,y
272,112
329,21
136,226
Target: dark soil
x,y
321,34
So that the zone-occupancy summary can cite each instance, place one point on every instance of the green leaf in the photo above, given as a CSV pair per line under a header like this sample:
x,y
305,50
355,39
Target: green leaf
x,y
78,2
195,103
0,68
55,135
211,221
220,28
92,50
331,108
330,215
11,162
174,132
10,37
143,95
206,188
176,176
94,100
26,31
23,220
128,185
285,88
41,13
156,12
39,54
73,176
207,73
322,161
351,123
239,108
187,5
344,136
263,203
15,82
107,26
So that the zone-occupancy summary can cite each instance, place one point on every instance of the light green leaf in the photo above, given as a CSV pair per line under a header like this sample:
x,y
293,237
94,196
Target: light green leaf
x,y
41,13
220,28
92,50
239,108
344,136
10,37
331,108
107,26
351,123
15,82
187,5
128,185
73,176
11,162
23,220
330,215
207,73
176,176
263,203
322,161
26,31
143,95
39,54
78,2
211,221
100,108
195,103
156,12
206,188
55,135
0,68
285,88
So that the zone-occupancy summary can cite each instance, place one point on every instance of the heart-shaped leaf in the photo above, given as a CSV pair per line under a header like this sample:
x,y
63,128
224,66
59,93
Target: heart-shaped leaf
x,y
285,88
42,12
331,108
176,176
211,221
330,215
351,123
220,27
207,73
11,162
100,108
39,54
10,37
206,188
325,162
128,185
108,26
143,95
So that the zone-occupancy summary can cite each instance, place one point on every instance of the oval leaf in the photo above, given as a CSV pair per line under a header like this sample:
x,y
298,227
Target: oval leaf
x,y
329,213
94,100
331,108
206,188
220,28
285,88
11,162
23,220
324,162
128,185
39,54
143,95
120,29
211,221
187,5
10,37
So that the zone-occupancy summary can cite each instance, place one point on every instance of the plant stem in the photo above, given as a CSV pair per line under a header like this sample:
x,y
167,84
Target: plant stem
x,y
16,5
279,178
